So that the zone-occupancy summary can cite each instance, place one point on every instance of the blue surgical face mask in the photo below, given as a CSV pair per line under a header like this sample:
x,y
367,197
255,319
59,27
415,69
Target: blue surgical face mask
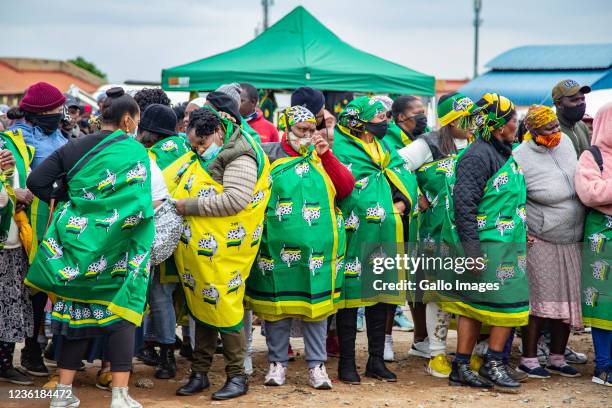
x,y
211,152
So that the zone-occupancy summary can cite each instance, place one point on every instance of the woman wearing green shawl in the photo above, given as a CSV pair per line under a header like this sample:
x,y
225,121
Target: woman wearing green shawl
x,y
299,272
223,192
94,258
486,222
385,190
431,157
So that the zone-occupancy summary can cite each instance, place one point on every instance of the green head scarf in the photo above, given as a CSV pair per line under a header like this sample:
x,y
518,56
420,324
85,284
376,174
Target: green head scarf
x,y
491,112
455,106
359,111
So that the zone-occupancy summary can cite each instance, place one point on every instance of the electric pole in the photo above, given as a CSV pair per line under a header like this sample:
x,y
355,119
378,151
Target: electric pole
x,y
477,21
266,7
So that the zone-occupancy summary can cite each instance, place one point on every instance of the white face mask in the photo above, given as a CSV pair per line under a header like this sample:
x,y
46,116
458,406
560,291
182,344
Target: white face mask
x,y
299,144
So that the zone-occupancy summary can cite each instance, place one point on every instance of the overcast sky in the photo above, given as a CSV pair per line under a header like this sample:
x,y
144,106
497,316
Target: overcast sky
x,y
135,39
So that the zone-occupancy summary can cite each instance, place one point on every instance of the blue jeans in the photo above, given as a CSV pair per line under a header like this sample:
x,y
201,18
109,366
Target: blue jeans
x,y
160,325
602,343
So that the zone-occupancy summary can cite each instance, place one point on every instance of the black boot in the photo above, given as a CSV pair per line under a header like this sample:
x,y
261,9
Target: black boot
x,y
376,368
32,359
198,382
148,355
233,387
462,375
166,368
496,372
346,326
347,371
376,322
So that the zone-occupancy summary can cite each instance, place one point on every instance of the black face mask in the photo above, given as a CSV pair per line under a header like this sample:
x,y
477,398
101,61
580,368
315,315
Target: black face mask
x,y
47,123
421,124
574,113
377,129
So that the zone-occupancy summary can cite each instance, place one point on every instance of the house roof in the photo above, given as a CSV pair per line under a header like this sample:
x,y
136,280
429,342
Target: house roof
x,y
554,57
17,74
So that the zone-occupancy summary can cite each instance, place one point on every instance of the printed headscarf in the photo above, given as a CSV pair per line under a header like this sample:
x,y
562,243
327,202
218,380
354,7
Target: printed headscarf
x,y
455,106
491,112
385,100
538,116
293,115
359,111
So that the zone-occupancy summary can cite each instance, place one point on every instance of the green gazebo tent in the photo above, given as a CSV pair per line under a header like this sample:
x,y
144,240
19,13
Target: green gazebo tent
x,y
298,51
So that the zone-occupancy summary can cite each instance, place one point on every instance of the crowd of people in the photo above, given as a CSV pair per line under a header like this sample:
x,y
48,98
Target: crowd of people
x,y
120,225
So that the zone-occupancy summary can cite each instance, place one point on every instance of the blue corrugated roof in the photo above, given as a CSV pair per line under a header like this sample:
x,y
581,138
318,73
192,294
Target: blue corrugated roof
x,y
529,87
549,57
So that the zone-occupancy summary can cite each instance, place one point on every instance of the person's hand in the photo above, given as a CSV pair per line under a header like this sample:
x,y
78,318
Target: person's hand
x,y
400,207
423,203
180,207
225,115
320,144
7,161
531,240
24,196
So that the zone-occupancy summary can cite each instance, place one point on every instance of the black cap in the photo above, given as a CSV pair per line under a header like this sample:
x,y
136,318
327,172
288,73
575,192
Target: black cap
x,y
310,98
159,119
224,103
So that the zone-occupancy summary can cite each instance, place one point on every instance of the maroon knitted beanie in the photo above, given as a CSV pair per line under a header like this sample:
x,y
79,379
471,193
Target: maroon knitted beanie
x,y
41,97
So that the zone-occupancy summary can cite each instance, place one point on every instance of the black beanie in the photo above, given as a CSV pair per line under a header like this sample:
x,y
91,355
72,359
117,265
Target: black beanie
x,y
159,119
310,98
225,103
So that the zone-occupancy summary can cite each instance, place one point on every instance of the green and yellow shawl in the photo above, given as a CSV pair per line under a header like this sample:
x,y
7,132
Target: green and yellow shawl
x,y
96,251
501,222
374,227
13,141
216,254
299,269
596,281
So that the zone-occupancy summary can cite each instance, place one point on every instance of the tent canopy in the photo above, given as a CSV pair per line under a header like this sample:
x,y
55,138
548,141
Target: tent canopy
x,y
527,74
298,51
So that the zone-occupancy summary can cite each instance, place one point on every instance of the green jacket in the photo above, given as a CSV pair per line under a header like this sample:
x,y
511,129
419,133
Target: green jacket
x,y
578,133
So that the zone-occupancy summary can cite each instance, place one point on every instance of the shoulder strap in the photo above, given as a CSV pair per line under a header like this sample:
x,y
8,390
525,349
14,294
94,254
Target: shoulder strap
x,y
597,155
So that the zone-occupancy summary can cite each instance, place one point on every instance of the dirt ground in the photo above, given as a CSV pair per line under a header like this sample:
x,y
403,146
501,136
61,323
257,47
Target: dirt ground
x,y
413,389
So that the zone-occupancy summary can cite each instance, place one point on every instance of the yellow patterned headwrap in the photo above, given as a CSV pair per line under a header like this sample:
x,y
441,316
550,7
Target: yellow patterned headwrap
x,y
538,116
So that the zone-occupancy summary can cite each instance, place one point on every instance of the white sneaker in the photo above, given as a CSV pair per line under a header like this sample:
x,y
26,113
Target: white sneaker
x,y
276,374
248,365
420,349
319,379
388,355
121,399
63,397
574,357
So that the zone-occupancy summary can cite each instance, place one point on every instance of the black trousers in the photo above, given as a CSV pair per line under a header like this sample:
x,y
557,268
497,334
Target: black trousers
x,y
39,301
376,320
118,346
